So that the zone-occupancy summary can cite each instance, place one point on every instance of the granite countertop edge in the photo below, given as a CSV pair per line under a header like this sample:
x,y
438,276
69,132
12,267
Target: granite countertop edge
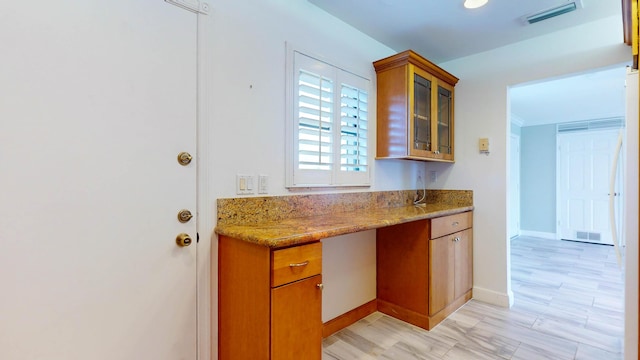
x,y
296,231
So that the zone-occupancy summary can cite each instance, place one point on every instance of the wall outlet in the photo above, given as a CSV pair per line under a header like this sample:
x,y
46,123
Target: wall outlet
x,y
433,176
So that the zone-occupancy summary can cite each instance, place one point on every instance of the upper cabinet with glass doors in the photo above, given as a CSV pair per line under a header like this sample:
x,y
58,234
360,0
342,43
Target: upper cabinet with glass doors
x,y
414,109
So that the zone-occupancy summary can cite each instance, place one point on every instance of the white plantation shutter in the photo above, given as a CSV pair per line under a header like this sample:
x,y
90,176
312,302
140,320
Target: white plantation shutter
x,y
328,125
315,121
353,129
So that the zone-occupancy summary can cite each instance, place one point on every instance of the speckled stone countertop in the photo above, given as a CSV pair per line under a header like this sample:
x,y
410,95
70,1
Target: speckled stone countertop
x,y
281,221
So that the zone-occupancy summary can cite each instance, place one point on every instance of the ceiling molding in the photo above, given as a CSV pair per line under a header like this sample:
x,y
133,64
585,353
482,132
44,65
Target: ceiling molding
x,y
517,120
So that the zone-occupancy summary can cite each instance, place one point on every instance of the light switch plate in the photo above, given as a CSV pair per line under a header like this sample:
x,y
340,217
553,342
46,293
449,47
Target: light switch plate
x,y
244,184
263,184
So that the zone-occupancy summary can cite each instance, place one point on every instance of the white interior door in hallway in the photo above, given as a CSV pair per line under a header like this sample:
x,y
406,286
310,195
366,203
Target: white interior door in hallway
x,y
97,99
585,159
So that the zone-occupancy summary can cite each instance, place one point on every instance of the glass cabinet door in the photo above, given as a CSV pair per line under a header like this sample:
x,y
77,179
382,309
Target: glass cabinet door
x,y
445,125
421,113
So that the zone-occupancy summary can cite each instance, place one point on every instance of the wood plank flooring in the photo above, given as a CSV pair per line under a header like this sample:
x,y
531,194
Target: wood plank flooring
x,y
568,305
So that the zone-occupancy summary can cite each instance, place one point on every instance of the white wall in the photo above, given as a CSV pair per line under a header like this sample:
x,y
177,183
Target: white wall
x,y
248,93
245,121
482,111
538,185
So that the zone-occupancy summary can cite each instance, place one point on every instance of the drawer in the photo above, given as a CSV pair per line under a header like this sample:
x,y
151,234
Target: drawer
x,y
449,224
295,263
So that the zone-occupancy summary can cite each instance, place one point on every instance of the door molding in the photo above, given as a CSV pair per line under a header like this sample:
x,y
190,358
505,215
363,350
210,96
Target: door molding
x,y
207,262
514,169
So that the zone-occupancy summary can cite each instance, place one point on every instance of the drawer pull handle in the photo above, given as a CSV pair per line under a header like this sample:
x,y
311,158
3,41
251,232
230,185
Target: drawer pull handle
x,y
455,223
304,263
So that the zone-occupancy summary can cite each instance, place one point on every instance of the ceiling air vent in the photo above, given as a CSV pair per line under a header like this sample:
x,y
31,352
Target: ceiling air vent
x,y
553,12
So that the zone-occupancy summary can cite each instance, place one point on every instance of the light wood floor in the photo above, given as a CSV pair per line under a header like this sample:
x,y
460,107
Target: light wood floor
x,y
568,305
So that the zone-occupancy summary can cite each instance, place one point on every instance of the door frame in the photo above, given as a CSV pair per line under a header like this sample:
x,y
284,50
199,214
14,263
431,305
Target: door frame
x,y
514,171
206,262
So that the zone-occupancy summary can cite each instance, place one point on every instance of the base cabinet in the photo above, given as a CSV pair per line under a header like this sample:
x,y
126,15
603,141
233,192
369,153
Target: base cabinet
x,y
450,275
269,301
296,320
425,269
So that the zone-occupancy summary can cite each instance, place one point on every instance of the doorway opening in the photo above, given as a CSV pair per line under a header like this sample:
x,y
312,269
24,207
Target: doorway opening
x,y
538,222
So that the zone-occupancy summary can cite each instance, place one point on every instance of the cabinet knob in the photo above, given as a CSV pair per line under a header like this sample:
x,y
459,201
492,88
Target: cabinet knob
x,y
456,239
320,286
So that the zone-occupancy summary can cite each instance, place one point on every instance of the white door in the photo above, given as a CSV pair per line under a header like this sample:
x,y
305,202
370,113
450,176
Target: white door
x,y
584,167
97,98
514,186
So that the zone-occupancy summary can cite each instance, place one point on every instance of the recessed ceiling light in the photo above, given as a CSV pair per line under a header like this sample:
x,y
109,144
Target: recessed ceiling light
x,y
472,4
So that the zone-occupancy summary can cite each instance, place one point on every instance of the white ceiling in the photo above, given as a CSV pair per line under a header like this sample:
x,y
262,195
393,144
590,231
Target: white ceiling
x,y
443,30
591,96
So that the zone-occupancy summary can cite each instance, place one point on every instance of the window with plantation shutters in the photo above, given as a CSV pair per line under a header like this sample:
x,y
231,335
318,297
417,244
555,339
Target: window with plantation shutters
x,y
315,121
353,129
327,125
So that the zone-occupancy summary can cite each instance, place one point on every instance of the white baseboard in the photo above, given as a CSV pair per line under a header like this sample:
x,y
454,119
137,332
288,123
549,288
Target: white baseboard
x,y
493,297
539,234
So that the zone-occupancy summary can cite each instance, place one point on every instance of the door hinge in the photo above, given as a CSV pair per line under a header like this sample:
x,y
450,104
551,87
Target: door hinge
x,y
198,7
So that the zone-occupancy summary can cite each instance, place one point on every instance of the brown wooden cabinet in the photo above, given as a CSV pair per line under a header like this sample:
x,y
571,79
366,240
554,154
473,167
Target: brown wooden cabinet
x,y
296,325
415,101
269,301
449,271
424,268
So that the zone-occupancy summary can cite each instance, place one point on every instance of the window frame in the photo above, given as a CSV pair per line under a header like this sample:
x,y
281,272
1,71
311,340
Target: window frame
x,y
297,59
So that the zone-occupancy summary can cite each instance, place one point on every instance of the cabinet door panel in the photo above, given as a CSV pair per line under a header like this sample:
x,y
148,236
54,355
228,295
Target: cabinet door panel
x,y
463,262
421,120
445,120
296,320
441,273
421,113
